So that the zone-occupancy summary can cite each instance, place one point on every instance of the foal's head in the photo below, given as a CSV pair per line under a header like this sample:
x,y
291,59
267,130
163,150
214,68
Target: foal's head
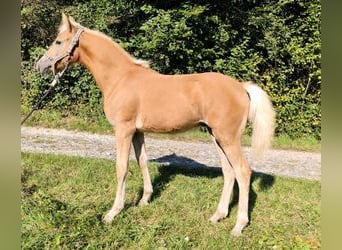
x,y
64,49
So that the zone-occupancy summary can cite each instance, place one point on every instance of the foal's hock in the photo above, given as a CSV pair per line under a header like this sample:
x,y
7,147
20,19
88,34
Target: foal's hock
x,y
134,103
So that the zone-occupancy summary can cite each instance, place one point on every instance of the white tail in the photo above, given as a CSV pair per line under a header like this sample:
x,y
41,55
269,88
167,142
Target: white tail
x,y
262,117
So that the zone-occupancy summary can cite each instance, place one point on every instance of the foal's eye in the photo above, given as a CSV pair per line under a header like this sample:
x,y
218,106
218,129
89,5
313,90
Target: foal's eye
x,y
58,42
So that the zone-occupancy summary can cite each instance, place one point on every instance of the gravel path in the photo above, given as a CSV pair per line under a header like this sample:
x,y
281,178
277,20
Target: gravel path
x,y
194,154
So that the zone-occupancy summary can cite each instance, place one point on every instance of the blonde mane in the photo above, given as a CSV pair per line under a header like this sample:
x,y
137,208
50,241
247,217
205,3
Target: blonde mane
x,y
136,61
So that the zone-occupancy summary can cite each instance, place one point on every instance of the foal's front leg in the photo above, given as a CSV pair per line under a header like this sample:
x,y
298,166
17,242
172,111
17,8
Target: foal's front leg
x,y
140,153
123,142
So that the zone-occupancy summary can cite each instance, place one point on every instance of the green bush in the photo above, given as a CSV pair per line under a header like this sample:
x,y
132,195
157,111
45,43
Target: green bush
x,y
274,43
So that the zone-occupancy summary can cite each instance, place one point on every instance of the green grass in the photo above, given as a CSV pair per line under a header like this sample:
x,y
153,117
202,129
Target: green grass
x,y
64,199
56,119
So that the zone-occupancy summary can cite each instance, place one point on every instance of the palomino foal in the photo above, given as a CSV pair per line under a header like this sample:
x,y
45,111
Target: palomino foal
x,y
138,99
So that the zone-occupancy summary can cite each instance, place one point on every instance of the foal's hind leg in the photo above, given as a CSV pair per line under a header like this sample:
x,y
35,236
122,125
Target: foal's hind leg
x,y
229,178
140,153
123,142
243,176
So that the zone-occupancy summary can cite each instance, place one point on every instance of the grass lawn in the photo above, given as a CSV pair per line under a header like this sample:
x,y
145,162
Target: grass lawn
x,y
64,199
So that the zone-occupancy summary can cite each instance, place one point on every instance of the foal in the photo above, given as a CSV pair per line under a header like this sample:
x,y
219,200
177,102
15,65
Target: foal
x,y
138,99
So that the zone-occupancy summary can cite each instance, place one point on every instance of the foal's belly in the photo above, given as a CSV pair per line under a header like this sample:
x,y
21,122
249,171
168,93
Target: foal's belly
x,y
166,123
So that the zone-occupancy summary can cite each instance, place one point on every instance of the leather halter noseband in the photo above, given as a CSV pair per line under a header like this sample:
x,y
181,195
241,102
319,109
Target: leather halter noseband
x,y
68,53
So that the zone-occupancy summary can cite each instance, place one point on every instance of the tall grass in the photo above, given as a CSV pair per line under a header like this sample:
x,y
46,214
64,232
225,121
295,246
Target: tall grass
x,y
64,199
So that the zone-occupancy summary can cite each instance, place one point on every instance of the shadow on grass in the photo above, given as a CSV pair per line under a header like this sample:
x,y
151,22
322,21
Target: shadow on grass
x,y
172,165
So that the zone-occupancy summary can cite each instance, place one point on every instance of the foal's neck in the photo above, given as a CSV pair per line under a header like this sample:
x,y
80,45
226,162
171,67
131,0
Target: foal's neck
x,y
105,59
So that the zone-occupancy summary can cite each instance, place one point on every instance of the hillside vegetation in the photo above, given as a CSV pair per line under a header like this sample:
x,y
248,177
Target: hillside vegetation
x,y
274,43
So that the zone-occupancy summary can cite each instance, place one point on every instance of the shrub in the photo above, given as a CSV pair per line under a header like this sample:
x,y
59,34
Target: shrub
x,y
274,43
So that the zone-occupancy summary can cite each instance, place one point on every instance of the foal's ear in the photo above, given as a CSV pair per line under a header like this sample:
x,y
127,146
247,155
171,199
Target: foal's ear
x,y
72,20
65,24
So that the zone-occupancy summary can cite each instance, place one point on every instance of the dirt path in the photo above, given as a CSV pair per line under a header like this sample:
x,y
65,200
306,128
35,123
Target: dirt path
x,y
195,154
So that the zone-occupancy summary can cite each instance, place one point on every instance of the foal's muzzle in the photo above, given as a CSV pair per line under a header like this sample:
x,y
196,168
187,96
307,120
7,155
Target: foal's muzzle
x,y
43,64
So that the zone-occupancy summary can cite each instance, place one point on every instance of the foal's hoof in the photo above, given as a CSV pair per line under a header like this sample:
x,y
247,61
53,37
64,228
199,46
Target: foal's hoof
x,y
143,202
217,216
235,232
214,219
109,217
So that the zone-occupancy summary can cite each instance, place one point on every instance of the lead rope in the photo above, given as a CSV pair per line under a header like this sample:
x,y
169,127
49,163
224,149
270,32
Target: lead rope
x,y
52,86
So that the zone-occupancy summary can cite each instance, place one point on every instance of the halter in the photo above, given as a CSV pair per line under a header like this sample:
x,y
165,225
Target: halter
x,y
54,60
67,53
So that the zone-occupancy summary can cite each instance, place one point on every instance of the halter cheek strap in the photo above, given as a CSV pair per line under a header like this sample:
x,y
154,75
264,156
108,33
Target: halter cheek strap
x,y
67,53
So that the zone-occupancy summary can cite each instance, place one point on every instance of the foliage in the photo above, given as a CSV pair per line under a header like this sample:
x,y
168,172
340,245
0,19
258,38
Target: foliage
x,y
290,71
64,199
274,43
38,20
